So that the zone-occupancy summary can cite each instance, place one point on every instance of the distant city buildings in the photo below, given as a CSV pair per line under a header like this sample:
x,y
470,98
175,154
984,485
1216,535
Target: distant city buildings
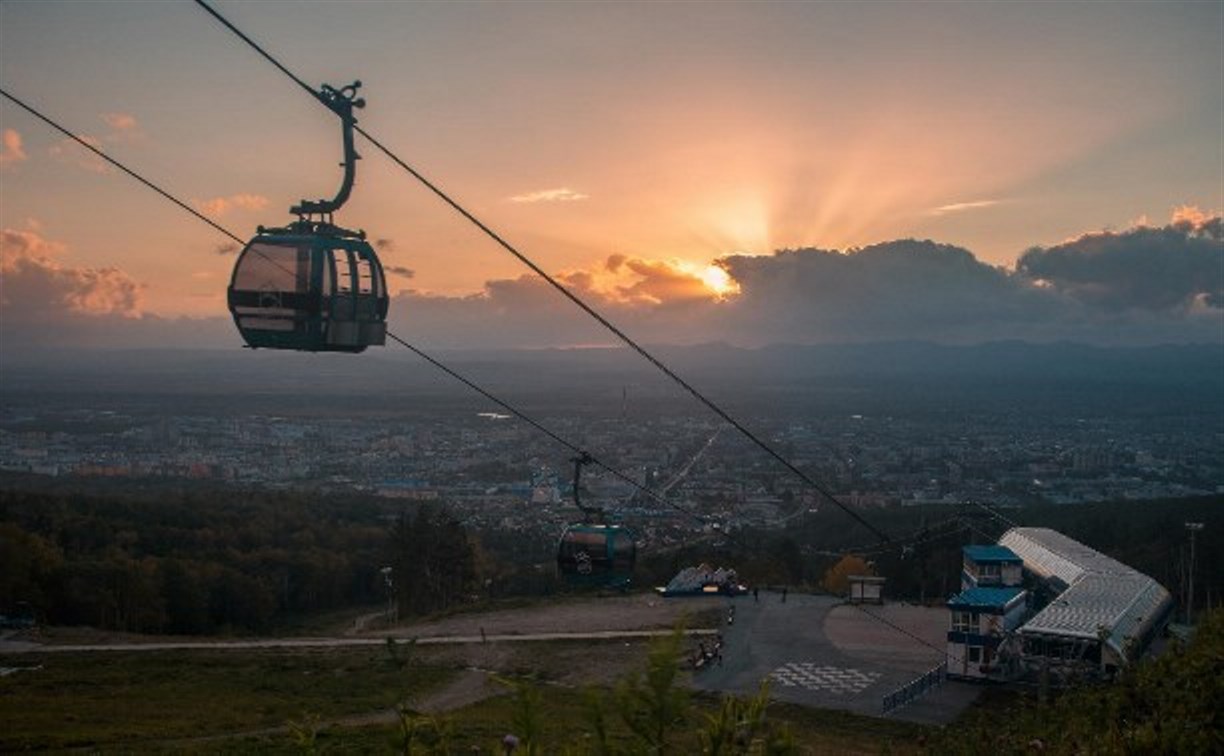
x,y
498,472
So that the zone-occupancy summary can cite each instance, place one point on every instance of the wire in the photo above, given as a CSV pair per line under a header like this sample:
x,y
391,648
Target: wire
x,y
907,633
993,513
255,46
415,350
118,165
561,288
545,430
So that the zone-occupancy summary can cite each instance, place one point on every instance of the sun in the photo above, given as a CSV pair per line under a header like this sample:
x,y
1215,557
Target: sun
x,y
718,281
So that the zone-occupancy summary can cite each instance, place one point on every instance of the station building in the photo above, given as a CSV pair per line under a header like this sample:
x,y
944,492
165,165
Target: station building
x,y
1092,611
991,605
990,566
1040,602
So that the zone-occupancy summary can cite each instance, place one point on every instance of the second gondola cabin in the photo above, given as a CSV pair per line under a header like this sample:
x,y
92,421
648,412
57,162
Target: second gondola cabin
x,y
597,555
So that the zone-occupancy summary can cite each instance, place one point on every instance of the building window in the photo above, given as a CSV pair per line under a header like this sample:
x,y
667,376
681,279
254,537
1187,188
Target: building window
x,y
964,622
975,654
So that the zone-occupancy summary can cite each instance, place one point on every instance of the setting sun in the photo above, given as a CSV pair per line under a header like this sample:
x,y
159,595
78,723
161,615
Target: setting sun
x,y
718,281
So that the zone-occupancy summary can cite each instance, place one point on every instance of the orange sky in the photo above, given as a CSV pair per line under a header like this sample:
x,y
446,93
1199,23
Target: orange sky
x,y
666,134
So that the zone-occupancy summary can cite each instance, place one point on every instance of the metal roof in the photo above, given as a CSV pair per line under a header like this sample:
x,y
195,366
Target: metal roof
x,y
991,554
991,597
1104,598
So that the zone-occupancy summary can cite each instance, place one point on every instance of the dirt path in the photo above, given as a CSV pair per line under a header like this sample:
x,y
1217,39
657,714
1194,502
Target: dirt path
x,y
633,616
471,686
361,622
646,611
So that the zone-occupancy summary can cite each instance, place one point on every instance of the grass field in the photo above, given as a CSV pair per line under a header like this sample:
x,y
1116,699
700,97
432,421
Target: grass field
x,y
479,729
274,701
125,699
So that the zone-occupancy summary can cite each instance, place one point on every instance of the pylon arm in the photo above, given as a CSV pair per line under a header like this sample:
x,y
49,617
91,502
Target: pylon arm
x,y
341,102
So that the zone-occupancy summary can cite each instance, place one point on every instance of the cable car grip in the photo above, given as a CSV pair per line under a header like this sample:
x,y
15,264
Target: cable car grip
x,y
341,102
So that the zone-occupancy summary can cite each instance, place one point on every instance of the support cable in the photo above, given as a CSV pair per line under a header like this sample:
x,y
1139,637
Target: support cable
x,y
993,513
561,288
117,164
475,387
415,350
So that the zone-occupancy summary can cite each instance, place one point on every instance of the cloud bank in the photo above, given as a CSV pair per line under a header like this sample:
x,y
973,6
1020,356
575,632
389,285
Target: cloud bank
x,y
1142,286
1145,285
1176,268
38,288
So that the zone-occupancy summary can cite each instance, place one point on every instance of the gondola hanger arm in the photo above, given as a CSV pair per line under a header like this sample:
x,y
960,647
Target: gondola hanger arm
x,y
341,102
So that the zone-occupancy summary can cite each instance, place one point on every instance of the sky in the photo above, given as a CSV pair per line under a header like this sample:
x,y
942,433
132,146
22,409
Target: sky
x,y
742,172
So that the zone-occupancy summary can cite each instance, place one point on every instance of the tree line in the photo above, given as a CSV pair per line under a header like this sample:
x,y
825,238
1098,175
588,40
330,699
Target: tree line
x,y
218,561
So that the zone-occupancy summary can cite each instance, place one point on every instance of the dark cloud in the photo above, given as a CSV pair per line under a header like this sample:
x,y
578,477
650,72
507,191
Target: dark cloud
x,y
1173,268
227,248
384,245
1142,286
893,291
399,270
897,290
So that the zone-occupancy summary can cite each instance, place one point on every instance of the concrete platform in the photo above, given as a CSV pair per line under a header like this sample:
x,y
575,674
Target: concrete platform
x,y
817,651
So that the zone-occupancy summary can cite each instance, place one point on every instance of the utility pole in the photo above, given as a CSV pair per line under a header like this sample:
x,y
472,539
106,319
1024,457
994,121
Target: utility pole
x,y
1194,528
389,581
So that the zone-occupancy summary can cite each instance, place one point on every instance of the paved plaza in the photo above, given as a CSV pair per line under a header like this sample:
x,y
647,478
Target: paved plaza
x,y
818,651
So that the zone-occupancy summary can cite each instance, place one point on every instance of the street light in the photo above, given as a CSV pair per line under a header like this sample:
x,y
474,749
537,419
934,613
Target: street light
x,y
1194,528
390,583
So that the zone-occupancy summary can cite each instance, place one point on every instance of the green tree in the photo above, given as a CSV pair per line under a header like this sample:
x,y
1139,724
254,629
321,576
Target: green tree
x,y
654,703
740,727
29,564
433,560
527,719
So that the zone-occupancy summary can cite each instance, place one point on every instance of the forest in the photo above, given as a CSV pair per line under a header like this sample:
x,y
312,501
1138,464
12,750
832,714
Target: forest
x,y
212,561
207,560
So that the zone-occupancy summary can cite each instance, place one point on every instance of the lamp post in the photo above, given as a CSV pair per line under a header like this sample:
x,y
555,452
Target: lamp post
x,y
387,573
1194,528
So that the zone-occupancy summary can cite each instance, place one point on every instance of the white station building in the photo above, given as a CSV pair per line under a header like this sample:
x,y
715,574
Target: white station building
x,y
1084,611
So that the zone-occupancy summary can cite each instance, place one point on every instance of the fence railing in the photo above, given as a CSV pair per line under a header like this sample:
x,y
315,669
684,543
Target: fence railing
x,y
914,688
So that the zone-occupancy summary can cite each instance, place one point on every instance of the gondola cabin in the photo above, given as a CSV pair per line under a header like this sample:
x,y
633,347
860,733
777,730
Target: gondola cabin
x,y
309,292
313,286
597,555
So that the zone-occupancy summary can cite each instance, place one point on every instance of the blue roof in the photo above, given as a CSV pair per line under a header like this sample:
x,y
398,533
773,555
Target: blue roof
x,y
980,597
989,554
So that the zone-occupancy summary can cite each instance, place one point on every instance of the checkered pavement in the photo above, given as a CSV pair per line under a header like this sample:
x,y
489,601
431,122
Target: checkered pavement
x,y
841,680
